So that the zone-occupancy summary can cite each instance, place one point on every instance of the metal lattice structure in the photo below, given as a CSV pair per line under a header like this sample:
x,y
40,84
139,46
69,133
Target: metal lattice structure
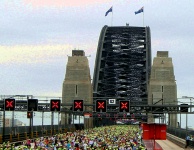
x,y
123,63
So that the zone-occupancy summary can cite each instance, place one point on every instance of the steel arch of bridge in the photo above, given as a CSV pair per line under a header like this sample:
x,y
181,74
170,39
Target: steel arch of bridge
x,y
123,63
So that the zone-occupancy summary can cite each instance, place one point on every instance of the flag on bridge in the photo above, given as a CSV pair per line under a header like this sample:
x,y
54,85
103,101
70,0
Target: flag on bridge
x,y
139,11
110,10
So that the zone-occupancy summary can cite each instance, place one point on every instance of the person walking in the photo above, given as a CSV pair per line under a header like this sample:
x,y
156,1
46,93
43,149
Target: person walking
x,y
187,141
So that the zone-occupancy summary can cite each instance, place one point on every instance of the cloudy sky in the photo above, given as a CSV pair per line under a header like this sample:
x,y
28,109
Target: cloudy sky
x,y
36,37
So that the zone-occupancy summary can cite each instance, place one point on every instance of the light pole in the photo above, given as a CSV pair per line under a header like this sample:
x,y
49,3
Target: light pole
x,y
191,103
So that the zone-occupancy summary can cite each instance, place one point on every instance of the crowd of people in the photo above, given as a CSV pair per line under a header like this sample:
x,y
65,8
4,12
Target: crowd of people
x,y
117,137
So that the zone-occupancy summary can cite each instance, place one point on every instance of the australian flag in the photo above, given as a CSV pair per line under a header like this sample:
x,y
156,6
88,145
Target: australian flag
x,y
139,11
110,10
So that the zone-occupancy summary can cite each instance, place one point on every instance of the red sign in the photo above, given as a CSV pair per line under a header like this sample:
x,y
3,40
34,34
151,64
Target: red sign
x,y
101,105
124,105
78,105
87,115
154,131
9,104
55,104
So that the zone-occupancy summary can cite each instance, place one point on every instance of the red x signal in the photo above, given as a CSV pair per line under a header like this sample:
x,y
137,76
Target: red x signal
x,y
55,104
78,105
101,105
124,105
9,104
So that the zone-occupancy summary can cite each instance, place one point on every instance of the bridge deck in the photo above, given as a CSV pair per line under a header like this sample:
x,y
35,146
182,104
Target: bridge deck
x,y
168,145
161,145
150,145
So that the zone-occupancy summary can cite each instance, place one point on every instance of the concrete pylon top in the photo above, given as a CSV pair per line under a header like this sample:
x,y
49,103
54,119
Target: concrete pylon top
x,y
78,53
162,53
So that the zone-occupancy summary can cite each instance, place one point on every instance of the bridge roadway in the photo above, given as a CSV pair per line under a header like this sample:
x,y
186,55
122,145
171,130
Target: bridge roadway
x,y
168,145
171,143
160,145
163,144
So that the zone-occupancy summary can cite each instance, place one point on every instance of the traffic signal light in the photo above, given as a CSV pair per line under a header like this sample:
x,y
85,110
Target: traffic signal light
x,y
55,105
32,104
124,106
101,106
78,105
29,114
9,104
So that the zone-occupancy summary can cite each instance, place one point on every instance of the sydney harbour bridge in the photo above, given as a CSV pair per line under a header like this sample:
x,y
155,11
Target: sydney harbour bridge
x,y
121,74
123,63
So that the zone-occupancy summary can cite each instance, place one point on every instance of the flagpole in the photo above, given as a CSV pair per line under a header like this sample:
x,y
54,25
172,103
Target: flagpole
x,y
112,16
143,17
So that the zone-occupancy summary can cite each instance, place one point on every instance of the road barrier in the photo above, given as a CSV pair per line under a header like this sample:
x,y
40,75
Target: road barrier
x,y
18,138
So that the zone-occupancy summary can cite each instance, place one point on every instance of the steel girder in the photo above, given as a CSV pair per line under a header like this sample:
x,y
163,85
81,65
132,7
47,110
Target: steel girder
x,y
123,63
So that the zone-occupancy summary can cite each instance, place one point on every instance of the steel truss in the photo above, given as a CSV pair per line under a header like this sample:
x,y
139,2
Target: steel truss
x,y
123,63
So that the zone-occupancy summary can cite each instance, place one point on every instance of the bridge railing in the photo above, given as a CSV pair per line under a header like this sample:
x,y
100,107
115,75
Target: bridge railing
x,y
22,129
181,133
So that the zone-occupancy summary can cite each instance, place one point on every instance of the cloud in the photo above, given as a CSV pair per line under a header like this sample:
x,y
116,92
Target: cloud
x,y
36,69
62,3
33,54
